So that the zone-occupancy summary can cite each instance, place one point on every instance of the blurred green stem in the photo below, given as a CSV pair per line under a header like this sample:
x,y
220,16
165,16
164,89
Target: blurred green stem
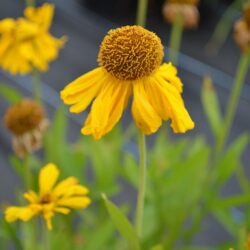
x,y
36,82
27,174
141,14
45,235
233,101
223,28
142,184
30,3
175,38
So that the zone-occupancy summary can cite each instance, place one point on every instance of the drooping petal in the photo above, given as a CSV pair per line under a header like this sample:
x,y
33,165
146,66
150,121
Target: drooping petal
x,y
169,73
172,105
83,90
157,99
21,213
47,178
107,108
146,118
74,202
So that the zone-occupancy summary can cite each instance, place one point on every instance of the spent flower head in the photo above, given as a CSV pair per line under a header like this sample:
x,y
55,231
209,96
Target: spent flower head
x,y
129,65
27,122
51,199
26,43
242,29
187,9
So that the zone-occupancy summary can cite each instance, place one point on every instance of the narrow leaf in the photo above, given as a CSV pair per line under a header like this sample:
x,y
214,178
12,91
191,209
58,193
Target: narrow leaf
x,y
211,106
10,93
122,224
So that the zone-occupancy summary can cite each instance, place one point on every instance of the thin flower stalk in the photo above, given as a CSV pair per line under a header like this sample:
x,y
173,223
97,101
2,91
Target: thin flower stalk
x,y
176,37
141,15
233,100
141,184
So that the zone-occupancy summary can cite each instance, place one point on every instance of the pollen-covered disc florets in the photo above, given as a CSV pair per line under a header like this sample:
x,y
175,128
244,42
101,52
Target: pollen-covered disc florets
x,y
130,52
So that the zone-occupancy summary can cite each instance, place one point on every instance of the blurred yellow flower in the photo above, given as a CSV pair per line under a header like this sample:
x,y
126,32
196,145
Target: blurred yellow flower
x,y
130,64
66,195
25,43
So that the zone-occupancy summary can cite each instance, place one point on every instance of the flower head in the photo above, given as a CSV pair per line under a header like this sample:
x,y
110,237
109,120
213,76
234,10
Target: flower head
x,y
130,65
242,29
51,199
186,8
27,122
25,43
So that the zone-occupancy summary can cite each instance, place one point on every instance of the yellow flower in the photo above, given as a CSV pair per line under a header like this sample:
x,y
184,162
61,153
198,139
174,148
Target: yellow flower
x,y
66,195
130,64
26,43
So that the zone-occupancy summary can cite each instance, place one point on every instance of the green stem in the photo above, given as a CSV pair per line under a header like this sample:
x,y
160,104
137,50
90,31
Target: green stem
x,y
142,184
175,38
45,235
27,174
233,101
223,28
36,85
141,14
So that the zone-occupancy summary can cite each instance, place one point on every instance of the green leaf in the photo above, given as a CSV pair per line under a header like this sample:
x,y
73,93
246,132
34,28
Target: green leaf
x,y
103,233
122,224
157,247
232,201
230,160
17,165
9,231
55,142
10,93
211,106
130,169
224,216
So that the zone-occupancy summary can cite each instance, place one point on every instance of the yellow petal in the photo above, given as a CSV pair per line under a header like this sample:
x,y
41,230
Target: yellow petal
x,y
26,30
64,185
31,196
47,178
42,15
47,217
7,25
76,190
146,118
107,108
174,106
83,90
62,210
168,72
74,202
21,213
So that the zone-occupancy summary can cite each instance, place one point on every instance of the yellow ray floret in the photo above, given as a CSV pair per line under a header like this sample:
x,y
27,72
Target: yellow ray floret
x,y
130,66
51,199
25,43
